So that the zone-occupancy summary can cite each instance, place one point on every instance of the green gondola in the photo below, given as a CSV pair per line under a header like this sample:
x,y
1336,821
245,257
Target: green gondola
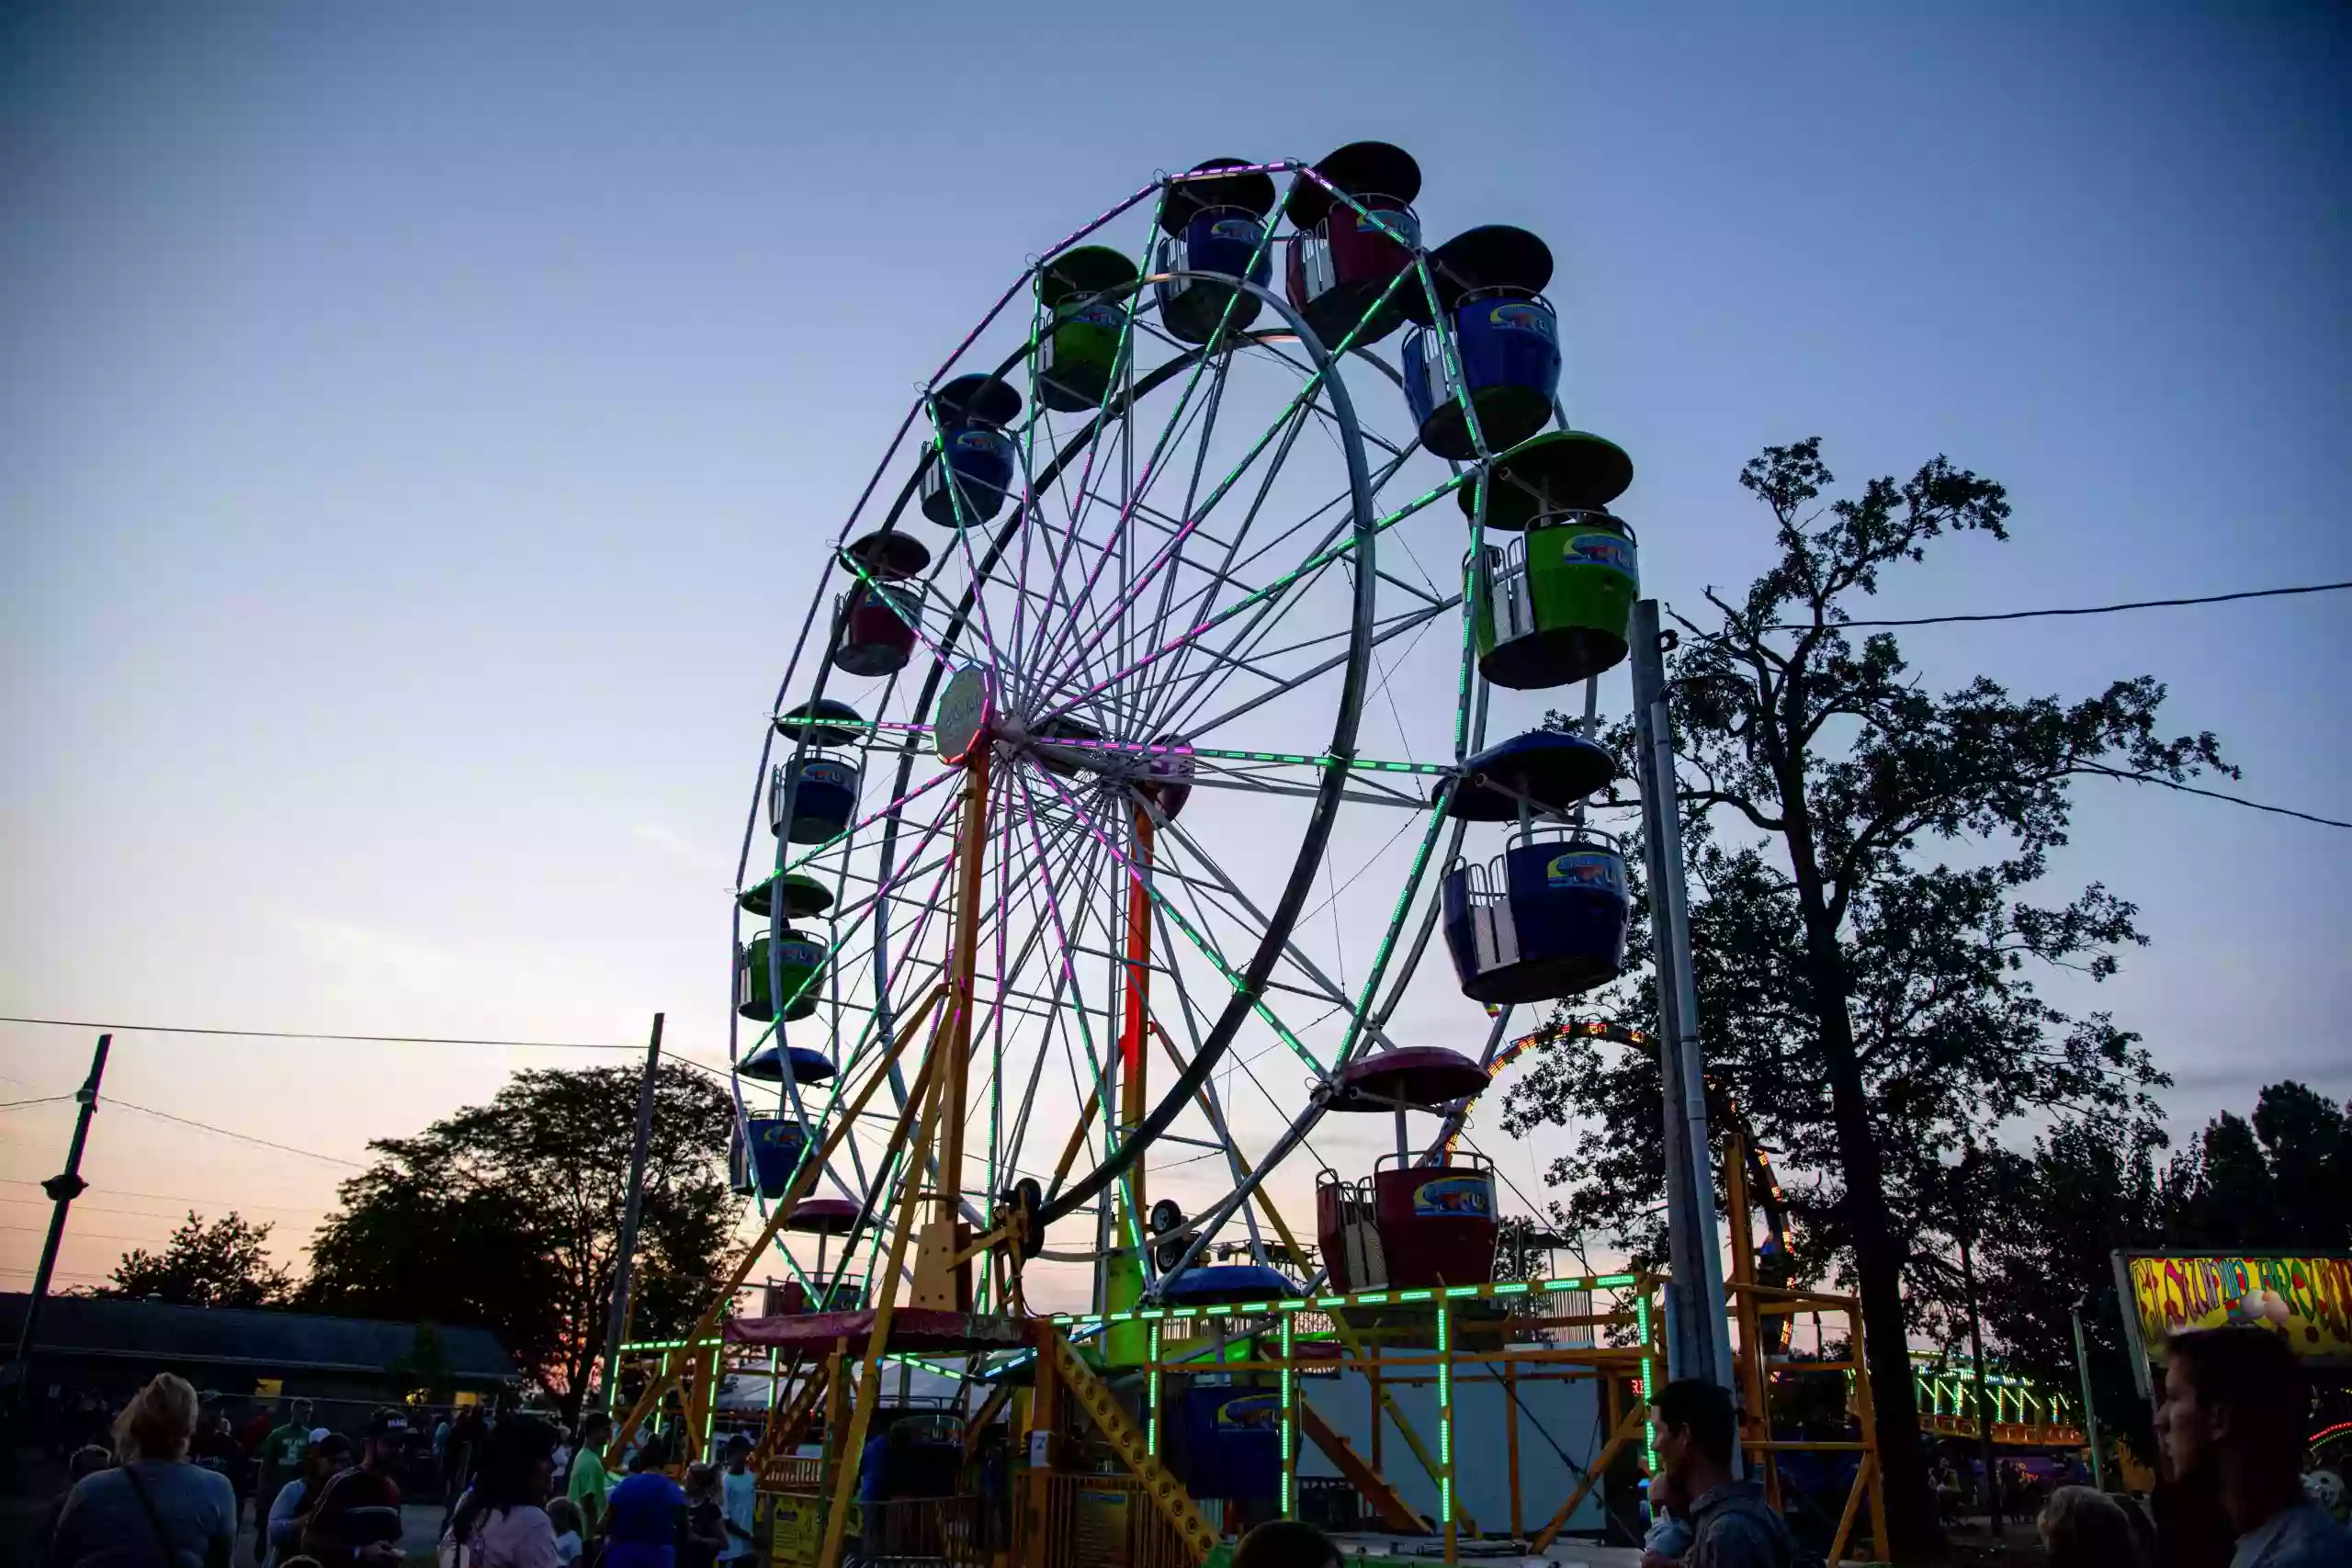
x,y
1552,604
800,971
1085,338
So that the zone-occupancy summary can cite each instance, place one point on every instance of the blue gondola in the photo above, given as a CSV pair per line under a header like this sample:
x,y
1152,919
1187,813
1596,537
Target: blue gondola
x,y
1544,919
763,1154
1217,224
819,784
1490,282
973,456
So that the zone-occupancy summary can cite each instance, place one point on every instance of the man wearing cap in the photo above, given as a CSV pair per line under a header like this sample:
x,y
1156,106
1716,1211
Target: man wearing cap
x,y
281,1452
357,1519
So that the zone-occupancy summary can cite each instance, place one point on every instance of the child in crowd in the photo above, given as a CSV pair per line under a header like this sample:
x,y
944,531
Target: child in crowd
x,y
564,1514
706,1531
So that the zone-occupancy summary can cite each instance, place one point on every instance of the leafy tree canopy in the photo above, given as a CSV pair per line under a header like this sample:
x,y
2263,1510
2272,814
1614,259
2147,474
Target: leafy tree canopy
x,y
224,1263
509,1214
1872,1007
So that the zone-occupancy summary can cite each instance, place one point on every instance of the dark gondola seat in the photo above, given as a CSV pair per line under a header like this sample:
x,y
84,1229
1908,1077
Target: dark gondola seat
x,y
1489,281
972,457
1216,223
1342,260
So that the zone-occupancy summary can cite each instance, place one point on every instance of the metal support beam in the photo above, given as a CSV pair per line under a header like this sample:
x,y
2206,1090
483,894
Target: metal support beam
x,y
1698,1344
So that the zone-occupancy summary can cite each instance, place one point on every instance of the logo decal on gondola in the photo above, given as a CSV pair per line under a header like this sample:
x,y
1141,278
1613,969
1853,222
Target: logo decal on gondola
x,y
1454,1197
1612,551
1587,872
1096,314
1240,231
1520,316
776,1134
1402,226
1249,1412
799,955
977,441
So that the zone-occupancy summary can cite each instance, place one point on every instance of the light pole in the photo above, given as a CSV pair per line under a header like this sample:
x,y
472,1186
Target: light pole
x,y
1699,1344
63,1188
2090,1410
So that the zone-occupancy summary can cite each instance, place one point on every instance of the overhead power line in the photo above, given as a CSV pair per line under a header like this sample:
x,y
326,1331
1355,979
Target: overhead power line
x,y
314,1034
678,1058
2089,609
240,1137
164,1198
44,1100
2217,794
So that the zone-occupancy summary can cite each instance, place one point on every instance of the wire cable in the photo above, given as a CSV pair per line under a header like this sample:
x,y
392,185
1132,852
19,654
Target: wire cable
x,y
44,1100
2217,794
307,1035
679,1057
2086,609
240,1137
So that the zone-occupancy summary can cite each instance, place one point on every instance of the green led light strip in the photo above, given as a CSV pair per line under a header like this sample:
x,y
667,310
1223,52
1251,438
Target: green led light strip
x,y
1151,1399
1445,1417
1356,1298
1290,1428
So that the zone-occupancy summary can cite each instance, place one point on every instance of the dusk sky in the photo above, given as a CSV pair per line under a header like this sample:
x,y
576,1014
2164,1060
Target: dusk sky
x,y
420,427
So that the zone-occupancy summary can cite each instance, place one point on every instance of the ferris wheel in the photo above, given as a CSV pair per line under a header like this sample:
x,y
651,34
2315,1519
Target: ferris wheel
x,y
1134,755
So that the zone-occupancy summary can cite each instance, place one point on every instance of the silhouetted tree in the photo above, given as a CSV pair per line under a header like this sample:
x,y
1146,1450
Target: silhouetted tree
x,y
508,1215
1869,1006
223,1264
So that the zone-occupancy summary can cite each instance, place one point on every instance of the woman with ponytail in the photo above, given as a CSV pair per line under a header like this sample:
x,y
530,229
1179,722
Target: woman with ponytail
x,y
153,1506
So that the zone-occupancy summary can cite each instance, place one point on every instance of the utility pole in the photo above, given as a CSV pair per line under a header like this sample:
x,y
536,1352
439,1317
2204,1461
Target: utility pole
x,y
618,1313
1964,1231
2090,1410
1698,1346
63,1188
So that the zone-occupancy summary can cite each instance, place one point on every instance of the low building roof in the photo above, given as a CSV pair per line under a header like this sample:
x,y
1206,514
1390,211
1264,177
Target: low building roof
x,y
265,1337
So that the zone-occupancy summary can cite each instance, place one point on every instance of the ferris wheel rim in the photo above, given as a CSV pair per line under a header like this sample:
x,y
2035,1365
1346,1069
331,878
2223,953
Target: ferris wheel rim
x,y
1337,759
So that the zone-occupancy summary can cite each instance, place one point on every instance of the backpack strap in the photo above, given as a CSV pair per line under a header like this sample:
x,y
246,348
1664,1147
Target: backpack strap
x,y
154,1520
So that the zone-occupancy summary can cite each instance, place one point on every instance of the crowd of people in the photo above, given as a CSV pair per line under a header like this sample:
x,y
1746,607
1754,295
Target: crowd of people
x,y
2232,1493
521,1493
174,1484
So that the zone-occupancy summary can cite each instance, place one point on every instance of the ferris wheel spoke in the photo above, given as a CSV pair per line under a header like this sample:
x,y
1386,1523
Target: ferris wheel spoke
x,y
1246,913
1200,943
1186,722
1094,1058
1062,701
1133,490
1257,630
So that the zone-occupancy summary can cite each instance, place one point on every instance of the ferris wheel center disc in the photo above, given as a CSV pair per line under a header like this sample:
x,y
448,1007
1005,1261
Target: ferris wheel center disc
x,y
962,716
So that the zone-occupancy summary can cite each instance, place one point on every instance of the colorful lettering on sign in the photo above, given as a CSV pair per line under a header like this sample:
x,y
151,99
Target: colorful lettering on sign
x,y
2307,1301
1248,1412
1455,1196
1586,871
1612,551
1520,316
